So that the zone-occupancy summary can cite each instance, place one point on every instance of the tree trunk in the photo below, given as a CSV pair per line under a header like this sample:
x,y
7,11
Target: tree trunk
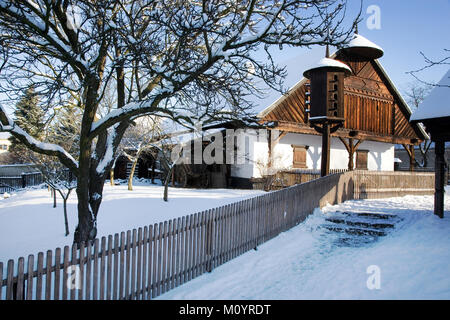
x,y
166,184
54,197
130,178
66,221
111,176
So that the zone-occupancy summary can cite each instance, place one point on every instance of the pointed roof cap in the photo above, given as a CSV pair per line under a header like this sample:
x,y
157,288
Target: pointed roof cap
x,y
363,47
331,65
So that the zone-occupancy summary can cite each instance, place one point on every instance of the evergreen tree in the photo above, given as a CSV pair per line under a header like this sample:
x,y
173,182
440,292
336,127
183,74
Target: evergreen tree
x,y
30,117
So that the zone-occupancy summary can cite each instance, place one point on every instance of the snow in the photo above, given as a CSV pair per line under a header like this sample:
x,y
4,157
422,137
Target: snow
x,y
305,262
328,63
358,41
437,103
29,223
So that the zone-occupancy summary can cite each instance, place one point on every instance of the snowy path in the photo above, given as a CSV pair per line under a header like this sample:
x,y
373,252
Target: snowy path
x,y
306,262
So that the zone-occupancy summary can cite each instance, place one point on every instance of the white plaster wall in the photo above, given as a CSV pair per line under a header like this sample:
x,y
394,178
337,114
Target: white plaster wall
x,y
380,156
251,155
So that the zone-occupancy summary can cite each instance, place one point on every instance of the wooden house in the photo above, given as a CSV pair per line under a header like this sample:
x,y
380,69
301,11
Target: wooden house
x,y
376,118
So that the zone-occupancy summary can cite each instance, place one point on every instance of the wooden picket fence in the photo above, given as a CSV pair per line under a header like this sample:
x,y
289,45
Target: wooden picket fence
x,y
147,262
12,183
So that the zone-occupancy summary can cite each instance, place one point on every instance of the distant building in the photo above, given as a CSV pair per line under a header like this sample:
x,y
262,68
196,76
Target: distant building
x,y
4,142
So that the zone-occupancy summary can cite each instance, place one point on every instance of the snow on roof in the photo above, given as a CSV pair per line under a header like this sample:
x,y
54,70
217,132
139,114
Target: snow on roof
x,y
359,41
4,135
437,103
328,63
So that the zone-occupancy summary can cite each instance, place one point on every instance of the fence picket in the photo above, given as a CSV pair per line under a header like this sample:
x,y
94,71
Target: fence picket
x,y
109,269
159,264
139,265
20,279
150,272
144,263
177,251
48,275
102,268
95,272
81,274
122,265
183,246
116,266
188,250
87,293
10,280
73,264
168,256
155,278
127,266
174,253
57,274
65,272
133,266
39,276
30,271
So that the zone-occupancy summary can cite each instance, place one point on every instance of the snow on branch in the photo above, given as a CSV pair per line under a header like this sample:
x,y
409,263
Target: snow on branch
x,y
8,125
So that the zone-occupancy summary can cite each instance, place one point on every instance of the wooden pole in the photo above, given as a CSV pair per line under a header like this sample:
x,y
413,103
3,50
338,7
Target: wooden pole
x,y
412,157
439,178
325,159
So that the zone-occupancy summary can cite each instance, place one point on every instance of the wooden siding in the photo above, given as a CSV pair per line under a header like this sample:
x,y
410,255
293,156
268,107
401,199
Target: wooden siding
x,y
370,105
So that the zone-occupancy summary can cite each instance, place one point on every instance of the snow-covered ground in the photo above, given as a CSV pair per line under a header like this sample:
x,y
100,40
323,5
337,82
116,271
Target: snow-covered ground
x,y
29,223
412,261
305,262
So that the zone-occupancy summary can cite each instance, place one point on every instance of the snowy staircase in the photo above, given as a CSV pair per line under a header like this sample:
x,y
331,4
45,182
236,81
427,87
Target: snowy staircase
x,y
359,228
129,166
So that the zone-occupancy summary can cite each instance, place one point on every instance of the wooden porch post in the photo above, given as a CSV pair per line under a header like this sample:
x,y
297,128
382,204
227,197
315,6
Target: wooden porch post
x,y
439,178
412,157
325,158
351,149
411,153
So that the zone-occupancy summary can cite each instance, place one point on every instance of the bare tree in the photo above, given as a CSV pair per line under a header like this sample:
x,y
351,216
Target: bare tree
x,y
137,139
414,94
182,60
430,63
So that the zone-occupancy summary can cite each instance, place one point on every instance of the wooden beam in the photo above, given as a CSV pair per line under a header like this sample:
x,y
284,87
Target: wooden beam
x,y
412,155
351,149
440,179
325,158
345,133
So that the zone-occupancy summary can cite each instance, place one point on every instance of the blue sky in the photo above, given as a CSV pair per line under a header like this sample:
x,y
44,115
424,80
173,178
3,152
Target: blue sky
x,y
407,28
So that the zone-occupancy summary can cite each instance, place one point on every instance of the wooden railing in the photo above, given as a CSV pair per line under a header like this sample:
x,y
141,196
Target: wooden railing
x,y
149,261
8,184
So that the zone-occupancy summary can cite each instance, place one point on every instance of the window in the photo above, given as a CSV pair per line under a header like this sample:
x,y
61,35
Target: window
x,y
299,156
361,159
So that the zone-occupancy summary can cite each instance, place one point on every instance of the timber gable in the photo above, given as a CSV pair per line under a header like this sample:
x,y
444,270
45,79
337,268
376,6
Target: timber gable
x,y
373,108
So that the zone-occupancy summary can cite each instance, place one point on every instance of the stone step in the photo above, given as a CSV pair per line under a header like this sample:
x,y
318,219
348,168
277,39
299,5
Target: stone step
x,y
360,240
371,215
354,231
359,223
